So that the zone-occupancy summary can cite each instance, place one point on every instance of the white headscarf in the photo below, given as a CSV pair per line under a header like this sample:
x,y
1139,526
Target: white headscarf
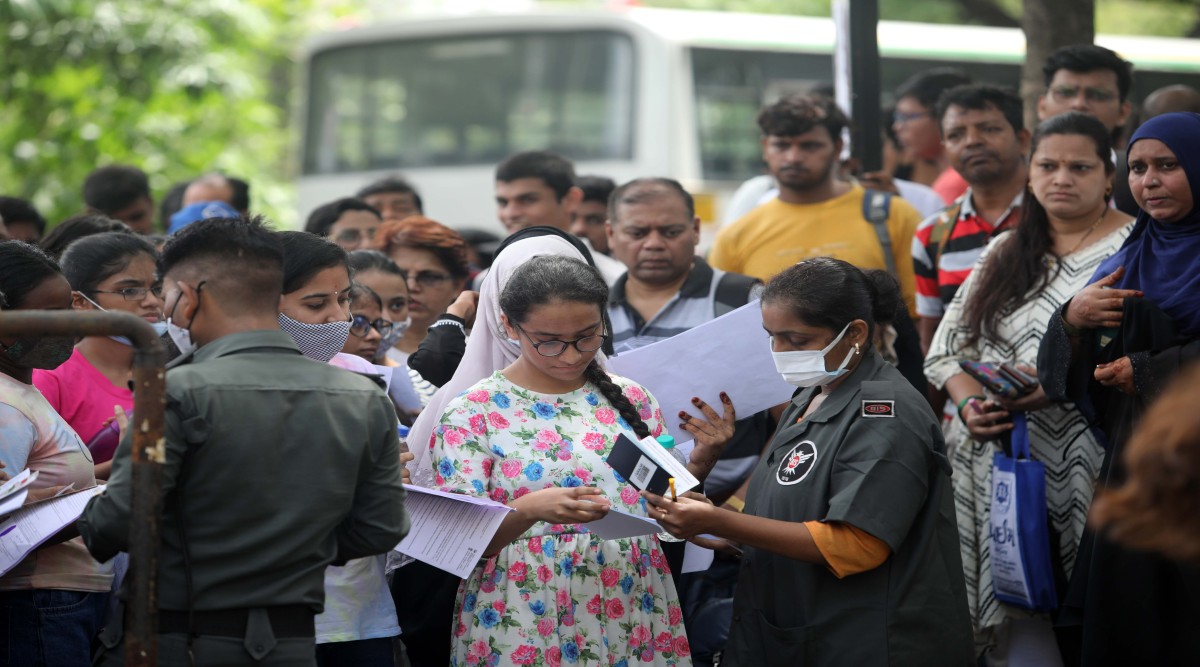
x,y
488,347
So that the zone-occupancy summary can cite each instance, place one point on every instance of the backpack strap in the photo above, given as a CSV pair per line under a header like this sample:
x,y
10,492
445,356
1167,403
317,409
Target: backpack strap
x,y
944,227
734,290
877,207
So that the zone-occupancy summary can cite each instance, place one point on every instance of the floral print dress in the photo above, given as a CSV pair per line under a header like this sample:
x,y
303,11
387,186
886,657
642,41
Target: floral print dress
x,y
558,594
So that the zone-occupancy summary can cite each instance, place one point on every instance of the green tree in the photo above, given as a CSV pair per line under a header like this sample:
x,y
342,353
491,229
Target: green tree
x,y
176,87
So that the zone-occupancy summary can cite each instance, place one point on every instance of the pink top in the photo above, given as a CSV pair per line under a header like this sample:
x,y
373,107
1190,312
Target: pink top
x,y
84,397
33,436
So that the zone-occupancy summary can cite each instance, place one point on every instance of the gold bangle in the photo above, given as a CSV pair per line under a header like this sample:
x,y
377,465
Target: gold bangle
x,y
737,504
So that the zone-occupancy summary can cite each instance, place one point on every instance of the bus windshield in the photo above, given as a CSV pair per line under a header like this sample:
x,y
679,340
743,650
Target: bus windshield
x,y
470,100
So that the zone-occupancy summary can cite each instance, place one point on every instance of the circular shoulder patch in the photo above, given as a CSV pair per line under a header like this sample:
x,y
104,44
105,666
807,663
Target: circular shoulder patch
x,y
797,464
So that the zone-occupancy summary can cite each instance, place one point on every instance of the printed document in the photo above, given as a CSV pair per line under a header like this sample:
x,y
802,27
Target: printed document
x,y
449,531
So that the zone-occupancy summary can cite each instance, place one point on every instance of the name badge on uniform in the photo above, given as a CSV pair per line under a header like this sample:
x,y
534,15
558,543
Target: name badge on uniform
x,y
875,409
797,464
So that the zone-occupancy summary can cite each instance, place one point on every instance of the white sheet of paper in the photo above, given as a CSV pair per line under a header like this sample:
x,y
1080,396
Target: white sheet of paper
x,y
696,558
450,531
18,483
684,480
730,354
617,524
33,524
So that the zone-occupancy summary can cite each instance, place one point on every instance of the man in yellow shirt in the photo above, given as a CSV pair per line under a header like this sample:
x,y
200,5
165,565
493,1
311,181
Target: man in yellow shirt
x,y
816,213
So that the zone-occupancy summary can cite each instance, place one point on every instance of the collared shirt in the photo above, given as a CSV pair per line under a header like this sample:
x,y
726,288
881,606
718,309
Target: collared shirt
x,y
942,260
276,465
871,456
693,305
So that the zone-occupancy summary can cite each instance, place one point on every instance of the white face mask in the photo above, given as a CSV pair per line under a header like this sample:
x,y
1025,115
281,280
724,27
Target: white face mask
x,y
181,337
806,368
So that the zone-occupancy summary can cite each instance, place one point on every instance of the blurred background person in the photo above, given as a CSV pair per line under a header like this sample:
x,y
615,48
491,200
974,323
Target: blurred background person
x,y
121,192
22,220
394,198
919,132
349,222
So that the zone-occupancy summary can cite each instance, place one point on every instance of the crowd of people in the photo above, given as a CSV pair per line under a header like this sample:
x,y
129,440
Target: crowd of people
x,y
996,292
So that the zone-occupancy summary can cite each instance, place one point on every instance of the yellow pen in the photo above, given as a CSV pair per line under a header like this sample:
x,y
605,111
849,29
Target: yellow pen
x,y
671,483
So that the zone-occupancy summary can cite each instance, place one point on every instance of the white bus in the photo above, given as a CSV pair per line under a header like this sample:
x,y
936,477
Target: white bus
x,y
623,93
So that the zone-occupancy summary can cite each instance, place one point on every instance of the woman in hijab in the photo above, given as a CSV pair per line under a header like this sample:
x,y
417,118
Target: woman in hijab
x,y
1111,350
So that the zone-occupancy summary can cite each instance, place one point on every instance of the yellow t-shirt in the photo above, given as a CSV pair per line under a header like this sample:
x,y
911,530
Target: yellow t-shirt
x,y
776,235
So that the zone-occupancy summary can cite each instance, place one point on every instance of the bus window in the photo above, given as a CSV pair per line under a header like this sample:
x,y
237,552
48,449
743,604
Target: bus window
x,y
731,86
470,100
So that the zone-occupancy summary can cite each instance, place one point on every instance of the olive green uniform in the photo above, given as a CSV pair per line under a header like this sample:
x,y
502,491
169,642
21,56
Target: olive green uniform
x,y
870,456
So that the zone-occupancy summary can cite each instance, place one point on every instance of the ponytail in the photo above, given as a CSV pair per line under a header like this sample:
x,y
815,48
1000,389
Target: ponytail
x,y
596,375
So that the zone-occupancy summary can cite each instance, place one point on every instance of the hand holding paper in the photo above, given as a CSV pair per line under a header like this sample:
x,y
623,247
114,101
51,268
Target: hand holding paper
x,y
645,464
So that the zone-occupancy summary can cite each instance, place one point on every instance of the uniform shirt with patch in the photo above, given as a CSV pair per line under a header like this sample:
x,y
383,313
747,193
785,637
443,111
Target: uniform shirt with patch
x,y
887,477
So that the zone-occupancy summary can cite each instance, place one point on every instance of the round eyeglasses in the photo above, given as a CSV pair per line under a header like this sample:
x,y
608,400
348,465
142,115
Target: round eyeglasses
x,y
360,326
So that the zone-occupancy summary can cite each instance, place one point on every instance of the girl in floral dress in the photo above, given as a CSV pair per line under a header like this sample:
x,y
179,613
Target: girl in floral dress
x,y
534,436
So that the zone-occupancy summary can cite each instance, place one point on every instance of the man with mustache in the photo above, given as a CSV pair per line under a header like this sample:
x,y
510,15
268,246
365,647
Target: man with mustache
x,y
816,214
986,140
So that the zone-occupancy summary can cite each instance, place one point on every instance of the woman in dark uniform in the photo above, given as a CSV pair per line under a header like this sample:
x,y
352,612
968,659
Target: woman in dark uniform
x,y
851,545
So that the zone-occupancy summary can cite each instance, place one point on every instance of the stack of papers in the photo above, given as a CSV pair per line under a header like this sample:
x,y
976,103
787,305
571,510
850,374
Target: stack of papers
x,y
35,523
450,531
14,491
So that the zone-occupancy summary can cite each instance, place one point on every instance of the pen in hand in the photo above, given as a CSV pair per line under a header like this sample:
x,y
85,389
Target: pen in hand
x,y
671,483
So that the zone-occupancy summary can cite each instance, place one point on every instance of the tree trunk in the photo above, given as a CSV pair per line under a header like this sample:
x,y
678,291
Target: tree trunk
x,y
1048,25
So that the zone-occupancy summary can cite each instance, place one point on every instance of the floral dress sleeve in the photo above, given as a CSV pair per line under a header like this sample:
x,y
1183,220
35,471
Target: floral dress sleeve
x,y
462,454
645,404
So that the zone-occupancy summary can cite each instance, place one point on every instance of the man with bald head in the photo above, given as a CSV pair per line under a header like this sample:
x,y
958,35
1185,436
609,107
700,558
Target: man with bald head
x,y
1169,99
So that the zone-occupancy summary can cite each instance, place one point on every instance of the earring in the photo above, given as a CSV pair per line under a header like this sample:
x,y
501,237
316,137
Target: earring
x,y
858,348
1108,192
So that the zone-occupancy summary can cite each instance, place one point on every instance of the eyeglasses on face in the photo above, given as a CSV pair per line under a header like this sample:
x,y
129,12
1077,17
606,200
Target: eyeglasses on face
x,y
1095,95
901,118
427,278
133,293
553,348
360,326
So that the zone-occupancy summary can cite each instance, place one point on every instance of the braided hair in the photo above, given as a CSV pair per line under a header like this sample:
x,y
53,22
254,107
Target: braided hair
x,y
556,278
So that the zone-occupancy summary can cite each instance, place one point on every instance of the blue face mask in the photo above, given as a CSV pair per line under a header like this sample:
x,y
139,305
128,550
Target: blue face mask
x,y
160,327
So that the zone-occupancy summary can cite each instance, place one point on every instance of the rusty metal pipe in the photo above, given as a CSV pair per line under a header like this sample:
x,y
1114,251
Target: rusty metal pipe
x,y
149,400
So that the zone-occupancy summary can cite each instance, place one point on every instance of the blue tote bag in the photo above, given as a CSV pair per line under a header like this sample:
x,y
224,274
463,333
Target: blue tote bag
x,y
1022,573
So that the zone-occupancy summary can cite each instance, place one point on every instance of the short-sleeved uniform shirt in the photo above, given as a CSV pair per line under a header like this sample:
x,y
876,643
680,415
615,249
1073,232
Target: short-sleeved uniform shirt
x,y
871,456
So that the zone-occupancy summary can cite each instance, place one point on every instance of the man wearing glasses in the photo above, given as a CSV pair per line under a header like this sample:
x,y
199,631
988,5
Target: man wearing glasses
x,y
348,222
1096,81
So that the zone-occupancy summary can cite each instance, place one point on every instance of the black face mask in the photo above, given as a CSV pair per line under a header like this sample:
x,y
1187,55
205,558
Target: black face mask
x,y
42,353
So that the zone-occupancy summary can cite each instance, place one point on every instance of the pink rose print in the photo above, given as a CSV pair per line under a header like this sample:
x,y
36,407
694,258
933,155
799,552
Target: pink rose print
x,y
510,467
542,446
629,495
478,651
658,427
454,437
656,559
674,614
584,474
606,416
635,394
568,620
499,495
553,656
547,435
682,649
518,571
535,545
647,655
486,466
525,655
564,455
545,627
609,576
644,412
479,396
497,420
662,642
520,492
478,424
594,441
593,605
487,586
563,598
460,630
639,635
499,606
544,574
613,608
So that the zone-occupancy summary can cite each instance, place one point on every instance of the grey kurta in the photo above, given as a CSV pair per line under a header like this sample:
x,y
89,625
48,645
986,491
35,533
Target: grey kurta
x,y
887,476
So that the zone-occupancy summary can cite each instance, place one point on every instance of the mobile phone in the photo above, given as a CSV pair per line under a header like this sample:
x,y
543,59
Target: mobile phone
x,y
1024,382
990,376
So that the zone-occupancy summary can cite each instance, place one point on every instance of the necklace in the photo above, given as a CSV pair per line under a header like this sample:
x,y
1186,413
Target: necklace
x,y
1088,233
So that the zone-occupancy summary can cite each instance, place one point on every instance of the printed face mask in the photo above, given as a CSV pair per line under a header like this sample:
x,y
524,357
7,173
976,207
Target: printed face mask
x,y
160,328
806,368
389,341
42,353
319,342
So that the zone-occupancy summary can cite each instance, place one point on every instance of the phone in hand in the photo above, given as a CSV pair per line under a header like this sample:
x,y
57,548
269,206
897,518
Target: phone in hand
x,y
1003,380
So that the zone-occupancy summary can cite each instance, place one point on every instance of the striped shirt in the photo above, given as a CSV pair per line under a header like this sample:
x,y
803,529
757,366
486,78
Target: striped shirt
x,y
944,251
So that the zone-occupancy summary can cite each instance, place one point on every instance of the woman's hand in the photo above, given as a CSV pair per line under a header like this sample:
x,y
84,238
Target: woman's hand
x,y
1031,402
983,419
464,307
1117,374
1099,306
3,475
712,433
563,505
684,518
405,475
